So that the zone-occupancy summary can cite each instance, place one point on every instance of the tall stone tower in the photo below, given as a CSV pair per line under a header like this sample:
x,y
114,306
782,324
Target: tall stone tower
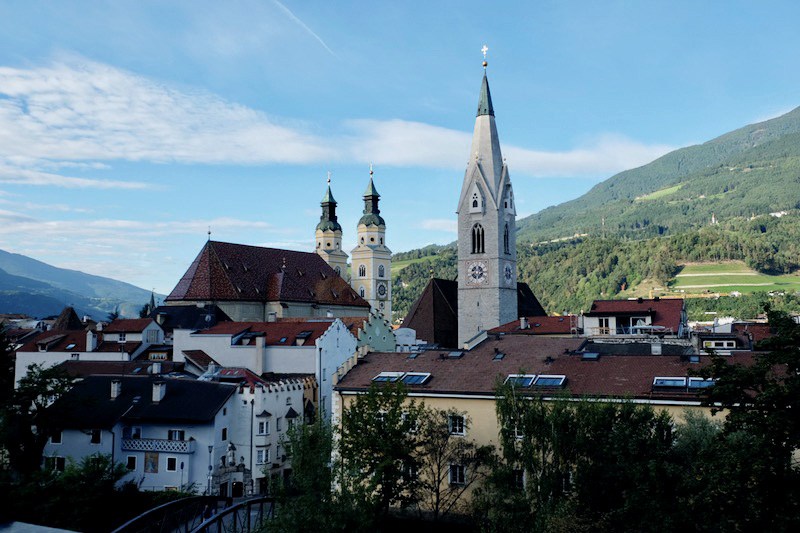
x,y
329,234
487,254
372,260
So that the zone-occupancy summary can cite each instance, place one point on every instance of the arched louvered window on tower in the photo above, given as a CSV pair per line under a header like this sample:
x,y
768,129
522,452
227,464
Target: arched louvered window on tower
x,y
506,246
477,239
362,271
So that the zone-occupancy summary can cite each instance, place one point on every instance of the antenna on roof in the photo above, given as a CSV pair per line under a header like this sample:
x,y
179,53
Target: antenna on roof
x,y
209,233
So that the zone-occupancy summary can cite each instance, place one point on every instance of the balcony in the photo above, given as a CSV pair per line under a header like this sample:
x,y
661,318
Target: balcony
x,y
158,445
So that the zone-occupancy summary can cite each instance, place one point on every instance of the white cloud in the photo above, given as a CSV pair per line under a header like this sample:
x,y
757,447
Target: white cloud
x,y
439,224
81,114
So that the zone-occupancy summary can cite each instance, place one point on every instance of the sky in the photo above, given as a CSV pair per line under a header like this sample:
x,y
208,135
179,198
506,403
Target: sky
x,y
127,129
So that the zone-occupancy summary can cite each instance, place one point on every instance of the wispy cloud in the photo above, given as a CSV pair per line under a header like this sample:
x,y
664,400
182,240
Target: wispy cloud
x,y
83,115
303,25
439,224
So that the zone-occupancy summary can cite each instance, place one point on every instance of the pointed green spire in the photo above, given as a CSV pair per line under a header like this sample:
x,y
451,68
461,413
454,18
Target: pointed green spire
x,y
485,102
372,215
328,198
328,220
371,190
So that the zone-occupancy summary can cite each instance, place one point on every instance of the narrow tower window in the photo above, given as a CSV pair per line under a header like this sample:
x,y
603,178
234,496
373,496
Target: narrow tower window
x,y
362,271
381,271
477,239
506,247
474,200
362,292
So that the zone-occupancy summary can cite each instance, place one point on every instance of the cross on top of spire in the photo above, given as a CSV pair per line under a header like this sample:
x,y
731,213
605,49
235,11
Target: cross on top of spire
x,y
329,177
484,50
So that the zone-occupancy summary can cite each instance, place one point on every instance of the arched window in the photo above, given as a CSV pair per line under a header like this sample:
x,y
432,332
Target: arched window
x,y
474,199
381,271
477,239
506,247
362,271
362,292
338,271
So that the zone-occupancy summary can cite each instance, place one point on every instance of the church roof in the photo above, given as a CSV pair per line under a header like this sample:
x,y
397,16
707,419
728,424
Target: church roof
x,y
68,320
328,198
236,272
371,190
485,102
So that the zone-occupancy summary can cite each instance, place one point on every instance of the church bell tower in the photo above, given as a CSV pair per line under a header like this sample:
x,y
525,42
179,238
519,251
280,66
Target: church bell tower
x,y
487,254
371,259
329,234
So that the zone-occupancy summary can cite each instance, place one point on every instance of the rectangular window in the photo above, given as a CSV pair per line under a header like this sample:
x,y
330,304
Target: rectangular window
x,y
55,463
288,400
289,423
520,380
224,433
172,464
263,428
456,423
387,377
176,434
97,436
458,475
262,456
669,382
278,424
130,464
121,337
136,432
410,471
55,438
700,383
549,381
152,336
605,326
415,378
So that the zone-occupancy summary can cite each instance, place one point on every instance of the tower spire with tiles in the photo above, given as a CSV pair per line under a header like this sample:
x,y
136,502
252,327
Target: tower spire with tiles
x,y
487,256
329,233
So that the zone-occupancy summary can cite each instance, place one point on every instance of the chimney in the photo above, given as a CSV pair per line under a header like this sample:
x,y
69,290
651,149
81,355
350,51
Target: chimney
x,y
272,316
160,318
99,326
91,341
159,389
523,322
116,388
155,368
329,313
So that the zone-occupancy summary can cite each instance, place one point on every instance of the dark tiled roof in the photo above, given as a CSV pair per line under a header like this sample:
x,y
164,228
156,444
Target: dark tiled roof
x,y
758,331
114,346
434,316
665,312
128,325
478,371
539,325
236,272
275,333
57,341
68,320
116,368
199,358
188,316
89,404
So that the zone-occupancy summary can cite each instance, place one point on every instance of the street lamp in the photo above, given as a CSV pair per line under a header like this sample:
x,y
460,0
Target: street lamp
x,y
210,468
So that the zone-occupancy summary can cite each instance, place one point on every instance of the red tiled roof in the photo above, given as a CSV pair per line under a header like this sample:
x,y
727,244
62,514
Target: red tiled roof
x,y
665,312
759,332
275,331
128,325
477,371
59,339
199,358
113,346
236,272
538,325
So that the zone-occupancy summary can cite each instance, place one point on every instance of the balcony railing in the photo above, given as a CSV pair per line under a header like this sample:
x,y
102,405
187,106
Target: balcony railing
x,y
158,445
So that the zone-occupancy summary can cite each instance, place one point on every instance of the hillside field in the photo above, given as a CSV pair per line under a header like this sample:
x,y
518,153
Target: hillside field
x,y
729,276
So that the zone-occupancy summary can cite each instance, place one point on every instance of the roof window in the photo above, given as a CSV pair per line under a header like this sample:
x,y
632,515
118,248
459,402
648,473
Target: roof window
x,y
550,380
700,383
455,355
590,356
70,346
415,378
520,380
388,377
669,382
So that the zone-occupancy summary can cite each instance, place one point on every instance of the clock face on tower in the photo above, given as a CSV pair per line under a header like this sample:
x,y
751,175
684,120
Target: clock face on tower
x,y
477,273
508,274
382,290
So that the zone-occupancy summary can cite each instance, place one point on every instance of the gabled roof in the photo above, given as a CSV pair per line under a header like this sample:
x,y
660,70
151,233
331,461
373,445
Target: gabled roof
x,y
68,320
199,358
665,312
236,272
538,325
56,341
128,325
89,405
116,368
283,333
478,371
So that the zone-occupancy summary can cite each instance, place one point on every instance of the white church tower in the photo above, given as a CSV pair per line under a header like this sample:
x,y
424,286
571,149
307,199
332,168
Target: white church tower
x,y
371,259
487,254
329,234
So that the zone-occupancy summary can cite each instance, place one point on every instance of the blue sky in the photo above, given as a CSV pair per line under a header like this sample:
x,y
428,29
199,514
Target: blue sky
x,y
127,128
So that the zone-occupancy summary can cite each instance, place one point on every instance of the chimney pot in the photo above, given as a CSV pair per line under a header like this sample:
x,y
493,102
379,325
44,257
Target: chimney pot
x,y
116,388
159,390
523,322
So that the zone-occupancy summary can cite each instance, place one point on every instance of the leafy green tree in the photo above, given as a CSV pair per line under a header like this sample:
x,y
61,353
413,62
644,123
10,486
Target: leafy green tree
x,y
25,421
377,447
439,449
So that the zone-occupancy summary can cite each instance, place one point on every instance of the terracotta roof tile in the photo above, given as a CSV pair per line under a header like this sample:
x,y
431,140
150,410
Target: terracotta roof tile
x,y
538,325
665,312
276,333
128,325
57,341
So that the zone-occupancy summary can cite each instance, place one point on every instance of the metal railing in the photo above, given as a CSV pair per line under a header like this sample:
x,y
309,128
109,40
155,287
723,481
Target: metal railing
x,y
246,516
158,445
178,515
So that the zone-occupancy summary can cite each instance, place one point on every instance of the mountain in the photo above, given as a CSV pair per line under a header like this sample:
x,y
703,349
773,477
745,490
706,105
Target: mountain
x,y
752,170
38,289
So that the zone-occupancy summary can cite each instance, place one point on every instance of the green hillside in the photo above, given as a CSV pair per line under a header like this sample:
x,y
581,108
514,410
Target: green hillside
x,y
753,170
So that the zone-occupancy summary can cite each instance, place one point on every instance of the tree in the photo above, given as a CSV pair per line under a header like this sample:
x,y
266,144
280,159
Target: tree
x,y
440,449
377,447
25,422
6,369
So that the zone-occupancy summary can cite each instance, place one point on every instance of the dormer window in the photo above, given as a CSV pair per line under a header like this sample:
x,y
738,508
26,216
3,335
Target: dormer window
x,y
121,337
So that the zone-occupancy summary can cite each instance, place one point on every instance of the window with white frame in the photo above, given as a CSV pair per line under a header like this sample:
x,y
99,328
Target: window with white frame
x,y
152,336
458,475
263,427
121,337
456,424
518,478
262,456
288,400
278,424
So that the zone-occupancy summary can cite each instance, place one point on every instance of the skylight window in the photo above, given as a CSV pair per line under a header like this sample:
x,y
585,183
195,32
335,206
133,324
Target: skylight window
x,y
70,346
387,377
455,355
550,381
520,380
700,383
415,378
669,382
590,356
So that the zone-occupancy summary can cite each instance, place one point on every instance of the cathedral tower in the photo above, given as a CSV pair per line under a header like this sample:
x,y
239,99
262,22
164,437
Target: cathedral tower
x,y
372,260
329,234
487,254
